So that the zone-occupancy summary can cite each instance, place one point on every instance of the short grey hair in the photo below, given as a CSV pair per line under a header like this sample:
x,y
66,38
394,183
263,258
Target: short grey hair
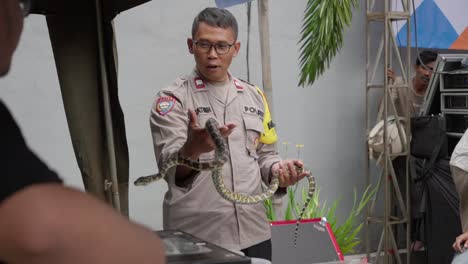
x,y
215,17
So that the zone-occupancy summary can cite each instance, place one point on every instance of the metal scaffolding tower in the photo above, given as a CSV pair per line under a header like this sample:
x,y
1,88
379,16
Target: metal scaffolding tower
x,y
380,52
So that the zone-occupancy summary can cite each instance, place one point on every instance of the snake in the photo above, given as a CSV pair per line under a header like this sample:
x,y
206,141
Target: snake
x,y
216,166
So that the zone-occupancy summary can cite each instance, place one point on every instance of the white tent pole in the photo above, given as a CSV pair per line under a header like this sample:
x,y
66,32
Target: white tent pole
x,y
264,28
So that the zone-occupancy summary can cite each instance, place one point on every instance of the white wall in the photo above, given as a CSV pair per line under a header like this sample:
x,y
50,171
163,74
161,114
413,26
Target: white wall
x,y
328,117
32,93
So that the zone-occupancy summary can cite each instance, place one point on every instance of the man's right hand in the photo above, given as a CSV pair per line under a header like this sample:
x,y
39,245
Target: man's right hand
x,y
198,142
391,75
198,139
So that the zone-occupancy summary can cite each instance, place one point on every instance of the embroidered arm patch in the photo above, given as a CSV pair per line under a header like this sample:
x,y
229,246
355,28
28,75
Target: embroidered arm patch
x,y
165,104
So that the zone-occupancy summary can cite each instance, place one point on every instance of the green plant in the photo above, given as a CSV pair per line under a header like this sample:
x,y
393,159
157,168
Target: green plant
x,y
322,35
270,210
346,233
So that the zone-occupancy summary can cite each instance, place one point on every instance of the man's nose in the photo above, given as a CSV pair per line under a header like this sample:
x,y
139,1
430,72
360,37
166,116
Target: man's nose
x,y
212,52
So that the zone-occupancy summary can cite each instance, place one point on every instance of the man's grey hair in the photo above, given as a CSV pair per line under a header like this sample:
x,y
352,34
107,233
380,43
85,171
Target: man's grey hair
x,y
215,17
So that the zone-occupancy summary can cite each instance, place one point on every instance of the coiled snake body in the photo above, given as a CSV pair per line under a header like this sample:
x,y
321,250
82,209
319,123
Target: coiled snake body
x,y
216,166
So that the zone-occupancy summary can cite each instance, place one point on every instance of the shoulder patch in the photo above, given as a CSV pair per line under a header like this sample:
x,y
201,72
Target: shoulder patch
x,y
165,104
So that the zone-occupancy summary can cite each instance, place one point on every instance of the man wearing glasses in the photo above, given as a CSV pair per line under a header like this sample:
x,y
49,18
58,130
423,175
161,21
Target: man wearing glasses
x,y
41,221
192,203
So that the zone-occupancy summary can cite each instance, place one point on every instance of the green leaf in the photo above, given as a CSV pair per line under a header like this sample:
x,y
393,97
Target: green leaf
x,y
270,210
289,215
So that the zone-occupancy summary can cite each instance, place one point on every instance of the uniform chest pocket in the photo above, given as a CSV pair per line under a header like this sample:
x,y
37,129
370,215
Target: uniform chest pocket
x,y
253,130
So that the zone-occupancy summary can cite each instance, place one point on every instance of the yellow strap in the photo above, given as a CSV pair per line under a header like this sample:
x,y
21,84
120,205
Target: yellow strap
x,y
269,133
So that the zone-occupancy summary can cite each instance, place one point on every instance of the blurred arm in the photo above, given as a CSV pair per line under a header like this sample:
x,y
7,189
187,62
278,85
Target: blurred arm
x,y
49,223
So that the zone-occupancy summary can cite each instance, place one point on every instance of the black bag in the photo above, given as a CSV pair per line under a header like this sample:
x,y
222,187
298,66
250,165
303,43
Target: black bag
x,y
435,201
428,137
433,188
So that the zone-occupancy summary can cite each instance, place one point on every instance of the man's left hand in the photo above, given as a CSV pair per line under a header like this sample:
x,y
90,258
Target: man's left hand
x,y
287,172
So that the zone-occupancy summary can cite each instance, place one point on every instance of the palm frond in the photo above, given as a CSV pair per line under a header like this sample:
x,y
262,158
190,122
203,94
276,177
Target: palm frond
x,y
322,35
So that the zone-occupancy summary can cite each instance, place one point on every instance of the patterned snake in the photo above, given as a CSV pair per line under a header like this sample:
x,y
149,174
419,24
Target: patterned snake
x,y
216,166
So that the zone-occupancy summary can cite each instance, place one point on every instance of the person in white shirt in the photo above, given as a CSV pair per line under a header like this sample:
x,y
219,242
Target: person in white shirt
x,y
459,168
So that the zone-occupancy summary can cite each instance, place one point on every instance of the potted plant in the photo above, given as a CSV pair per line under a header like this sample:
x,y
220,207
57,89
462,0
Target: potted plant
x,y
346,232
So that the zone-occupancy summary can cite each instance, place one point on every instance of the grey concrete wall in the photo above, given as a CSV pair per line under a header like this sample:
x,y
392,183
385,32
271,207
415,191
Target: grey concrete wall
x,y
328,117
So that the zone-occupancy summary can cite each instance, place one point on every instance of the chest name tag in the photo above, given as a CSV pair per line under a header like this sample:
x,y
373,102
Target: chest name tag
x,y
253,111
203,110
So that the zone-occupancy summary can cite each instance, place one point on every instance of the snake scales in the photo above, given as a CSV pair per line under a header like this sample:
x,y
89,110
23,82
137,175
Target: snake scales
x,y
216,165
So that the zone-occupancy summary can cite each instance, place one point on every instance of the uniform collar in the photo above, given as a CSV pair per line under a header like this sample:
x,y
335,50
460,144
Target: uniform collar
x,y
199,85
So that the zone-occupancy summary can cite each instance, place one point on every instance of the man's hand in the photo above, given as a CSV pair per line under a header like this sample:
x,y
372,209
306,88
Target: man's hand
x,y
461,242
198,139
391,75
287,172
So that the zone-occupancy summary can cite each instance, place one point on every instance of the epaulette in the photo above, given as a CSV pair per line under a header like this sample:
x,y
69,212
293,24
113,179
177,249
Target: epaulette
x,y
251,85
179,82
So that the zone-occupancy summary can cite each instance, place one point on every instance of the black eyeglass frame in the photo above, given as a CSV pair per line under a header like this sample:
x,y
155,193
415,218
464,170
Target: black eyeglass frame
x,y
216,46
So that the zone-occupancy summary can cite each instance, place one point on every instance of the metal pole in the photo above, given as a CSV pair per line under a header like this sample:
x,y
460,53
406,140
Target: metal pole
x,y
408,132
368,179
387,200
264,27
383,14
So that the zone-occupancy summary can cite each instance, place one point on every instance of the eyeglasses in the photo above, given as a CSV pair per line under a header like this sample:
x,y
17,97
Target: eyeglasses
x,y
25,6
220,48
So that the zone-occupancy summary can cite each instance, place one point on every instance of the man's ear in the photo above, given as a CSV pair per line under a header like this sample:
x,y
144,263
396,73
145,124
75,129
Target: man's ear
x,y
236,48
190,45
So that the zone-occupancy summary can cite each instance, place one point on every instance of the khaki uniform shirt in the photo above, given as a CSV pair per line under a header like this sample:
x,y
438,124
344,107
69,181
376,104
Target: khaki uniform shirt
x,y
198,208
459,168
399,97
